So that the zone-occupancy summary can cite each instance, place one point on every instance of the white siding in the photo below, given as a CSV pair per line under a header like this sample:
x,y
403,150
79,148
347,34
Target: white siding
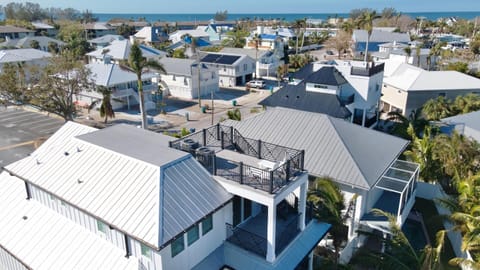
x,y
113,236
9,262
200,249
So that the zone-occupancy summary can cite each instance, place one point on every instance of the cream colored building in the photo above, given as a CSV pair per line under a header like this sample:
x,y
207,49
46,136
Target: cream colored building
x,y
407,88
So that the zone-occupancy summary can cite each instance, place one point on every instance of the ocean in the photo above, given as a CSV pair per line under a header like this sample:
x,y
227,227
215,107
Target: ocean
x,y
285,16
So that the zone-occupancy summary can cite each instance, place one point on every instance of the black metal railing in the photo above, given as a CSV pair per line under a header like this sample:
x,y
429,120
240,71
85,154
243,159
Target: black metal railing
x,y
247,240
287,234
368,70
289,162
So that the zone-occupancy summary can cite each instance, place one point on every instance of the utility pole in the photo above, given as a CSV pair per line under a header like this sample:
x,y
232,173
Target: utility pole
x,y
213,108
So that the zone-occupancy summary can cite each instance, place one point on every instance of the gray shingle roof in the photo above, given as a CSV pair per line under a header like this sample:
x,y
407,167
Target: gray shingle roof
x,y
347,153
297,97
327,76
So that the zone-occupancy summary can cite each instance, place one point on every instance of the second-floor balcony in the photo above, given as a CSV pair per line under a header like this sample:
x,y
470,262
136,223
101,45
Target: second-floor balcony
x,y
225,152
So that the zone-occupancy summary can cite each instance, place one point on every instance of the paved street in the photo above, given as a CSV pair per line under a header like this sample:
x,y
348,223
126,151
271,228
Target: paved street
x,y
21,131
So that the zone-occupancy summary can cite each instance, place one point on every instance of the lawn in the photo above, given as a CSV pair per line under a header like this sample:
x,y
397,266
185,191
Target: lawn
x,y
434,224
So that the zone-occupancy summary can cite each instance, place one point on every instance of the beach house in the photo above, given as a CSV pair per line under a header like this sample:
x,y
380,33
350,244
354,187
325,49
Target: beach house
x,y
90,200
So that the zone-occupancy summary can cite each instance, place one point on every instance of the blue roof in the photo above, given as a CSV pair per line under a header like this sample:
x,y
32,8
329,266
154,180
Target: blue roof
x,y
267,36
200,42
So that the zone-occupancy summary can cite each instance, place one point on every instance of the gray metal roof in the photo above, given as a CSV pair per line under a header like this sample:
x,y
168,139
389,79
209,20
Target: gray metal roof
x,y
25,42
347,153
139,146
14,29
106,39
127,177
360,35
177,66
250,52
22,55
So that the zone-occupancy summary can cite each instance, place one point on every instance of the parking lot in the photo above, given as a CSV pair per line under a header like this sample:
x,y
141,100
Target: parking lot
x,y
21,131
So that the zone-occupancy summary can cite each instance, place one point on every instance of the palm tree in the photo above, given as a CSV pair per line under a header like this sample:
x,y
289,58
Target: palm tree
x,y
193,45
436,109
422,152
402,123
399,254
366,22
298,24
234,115
106,109
418,50
328,203
466,104
408,53
347,26
465,209
139,64
258,41
281,71
236,39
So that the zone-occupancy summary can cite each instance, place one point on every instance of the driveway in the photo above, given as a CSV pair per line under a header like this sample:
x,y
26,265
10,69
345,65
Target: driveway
x,y
21,131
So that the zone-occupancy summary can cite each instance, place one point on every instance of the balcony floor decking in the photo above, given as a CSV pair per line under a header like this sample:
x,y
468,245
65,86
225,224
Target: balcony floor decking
x,y
226,155
252,234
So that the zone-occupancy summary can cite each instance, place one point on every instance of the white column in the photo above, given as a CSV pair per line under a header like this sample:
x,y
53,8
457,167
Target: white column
x,y
310,261
302,206
271,231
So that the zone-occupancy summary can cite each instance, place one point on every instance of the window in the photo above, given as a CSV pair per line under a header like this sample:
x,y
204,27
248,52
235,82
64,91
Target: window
x,y
207,225
52,197
146,252
237,69
192,235
253,65
320,86
174,78
102,227
245,67
177,246
377,87
185,81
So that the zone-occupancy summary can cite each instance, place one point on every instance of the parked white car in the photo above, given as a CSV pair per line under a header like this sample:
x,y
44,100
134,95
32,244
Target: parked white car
x,y
256,84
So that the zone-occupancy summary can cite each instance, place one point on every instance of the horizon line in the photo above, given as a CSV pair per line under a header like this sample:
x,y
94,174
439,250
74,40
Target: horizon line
x,y
253,13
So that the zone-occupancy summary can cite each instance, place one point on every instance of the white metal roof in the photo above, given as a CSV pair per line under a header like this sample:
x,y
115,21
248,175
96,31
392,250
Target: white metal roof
x,y
347,153
48,240
120,50
111,74
127,177
411,78
22,55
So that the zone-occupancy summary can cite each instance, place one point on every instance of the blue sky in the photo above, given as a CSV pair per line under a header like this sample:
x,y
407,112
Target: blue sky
x,y
256,6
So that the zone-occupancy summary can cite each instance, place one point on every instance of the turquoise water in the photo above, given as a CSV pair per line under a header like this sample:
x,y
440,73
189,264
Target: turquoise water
x,y
285,16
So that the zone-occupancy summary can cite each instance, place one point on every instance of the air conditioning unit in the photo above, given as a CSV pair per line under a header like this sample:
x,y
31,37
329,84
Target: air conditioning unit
x,y
189,145
205,156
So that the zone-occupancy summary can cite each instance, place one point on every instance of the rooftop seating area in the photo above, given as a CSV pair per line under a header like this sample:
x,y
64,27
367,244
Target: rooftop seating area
x,y
224,152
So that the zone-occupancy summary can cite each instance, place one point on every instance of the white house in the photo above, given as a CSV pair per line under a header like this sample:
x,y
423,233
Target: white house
x,y
104,41
26,57
233,69
466,124
364,83
151,35
407,88
196,33
13,32
26,42
119,50
122,83
267,61
182,78
363,162
92,201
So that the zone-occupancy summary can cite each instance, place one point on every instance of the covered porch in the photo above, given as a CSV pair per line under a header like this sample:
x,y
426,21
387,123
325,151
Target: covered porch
x,y
397,187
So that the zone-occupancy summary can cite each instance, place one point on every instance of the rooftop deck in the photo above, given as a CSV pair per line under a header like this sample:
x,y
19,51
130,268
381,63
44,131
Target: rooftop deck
x,y
224,152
